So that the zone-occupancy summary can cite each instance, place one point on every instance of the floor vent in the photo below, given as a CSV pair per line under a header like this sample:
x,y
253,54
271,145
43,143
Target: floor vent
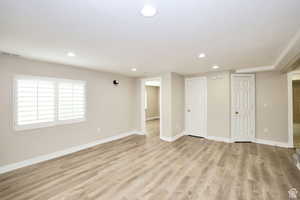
x,y
242,142
196,136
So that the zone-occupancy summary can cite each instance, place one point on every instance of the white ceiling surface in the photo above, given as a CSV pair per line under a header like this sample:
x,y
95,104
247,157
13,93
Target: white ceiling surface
x,y
113,36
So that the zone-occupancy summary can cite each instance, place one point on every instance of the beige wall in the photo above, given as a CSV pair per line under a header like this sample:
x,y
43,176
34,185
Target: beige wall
x,y
166,98
117,110
172,104
152,102
177,102
218,104
272,106
113,109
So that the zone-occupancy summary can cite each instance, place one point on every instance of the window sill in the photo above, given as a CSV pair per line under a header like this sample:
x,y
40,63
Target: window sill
x,y
47,124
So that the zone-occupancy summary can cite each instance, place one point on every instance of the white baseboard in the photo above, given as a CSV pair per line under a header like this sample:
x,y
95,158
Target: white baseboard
x,y
273,143
14,166
32,161
141,133
152,118
172,139
259,141
219,139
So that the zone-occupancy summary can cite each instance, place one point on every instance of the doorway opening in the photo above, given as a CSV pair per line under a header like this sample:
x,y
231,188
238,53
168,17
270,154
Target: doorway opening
x,y
293,79
294,108
151,107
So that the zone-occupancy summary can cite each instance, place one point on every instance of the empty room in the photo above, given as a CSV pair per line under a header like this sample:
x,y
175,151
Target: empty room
x,y
149,100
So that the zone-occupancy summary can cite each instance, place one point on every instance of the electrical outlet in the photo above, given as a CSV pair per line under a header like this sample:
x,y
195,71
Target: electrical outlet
x,y
98,130
266,130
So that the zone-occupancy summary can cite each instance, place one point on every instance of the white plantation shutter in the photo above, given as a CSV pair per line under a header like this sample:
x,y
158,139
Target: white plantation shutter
x,y
71,100
35,101
41,102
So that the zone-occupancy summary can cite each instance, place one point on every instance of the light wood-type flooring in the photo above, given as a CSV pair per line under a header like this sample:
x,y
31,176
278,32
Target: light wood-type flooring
x,y
297,141
296,135
147,168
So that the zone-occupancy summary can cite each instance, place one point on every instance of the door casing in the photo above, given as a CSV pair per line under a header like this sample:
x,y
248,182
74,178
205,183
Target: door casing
x,y
251,138
142,105
203,120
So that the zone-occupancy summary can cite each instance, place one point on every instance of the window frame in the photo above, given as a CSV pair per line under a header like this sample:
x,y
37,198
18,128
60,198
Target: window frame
x,y
56,122
70,121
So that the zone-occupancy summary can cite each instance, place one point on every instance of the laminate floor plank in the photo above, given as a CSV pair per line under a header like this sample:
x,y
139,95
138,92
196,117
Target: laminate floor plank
x,y
147,168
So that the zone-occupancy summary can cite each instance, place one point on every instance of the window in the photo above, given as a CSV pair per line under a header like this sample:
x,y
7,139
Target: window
x,y
35,101
71,100
42,102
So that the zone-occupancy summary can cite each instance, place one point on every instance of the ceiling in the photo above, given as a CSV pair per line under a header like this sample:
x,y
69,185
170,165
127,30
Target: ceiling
x,y
113,35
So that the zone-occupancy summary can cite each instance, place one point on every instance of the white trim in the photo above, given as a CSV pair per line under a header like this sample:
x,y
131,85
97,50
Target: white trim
x,y
215,138
142,107
290,107
273,143
32,161
56,121
153,83
140,133
258,141
219,139
142,104
152,118
255,69
232,136
173,138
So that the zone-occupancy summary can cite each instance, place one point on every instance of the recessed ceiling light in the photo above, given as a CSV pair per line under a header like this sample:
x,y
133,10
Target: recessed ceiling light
x,y
133,69
201,55
215,67
71,54
148,11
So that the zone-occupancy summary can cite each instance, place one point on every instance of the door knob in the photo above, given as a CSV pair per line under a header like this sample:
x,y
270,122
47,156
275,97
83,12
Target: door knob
x,y
188,110
236,112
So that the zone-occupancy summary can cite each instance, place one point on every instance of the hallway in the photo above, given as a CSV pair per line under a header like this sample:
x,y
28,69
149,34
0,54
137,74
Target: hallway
x,y
152,127
297,135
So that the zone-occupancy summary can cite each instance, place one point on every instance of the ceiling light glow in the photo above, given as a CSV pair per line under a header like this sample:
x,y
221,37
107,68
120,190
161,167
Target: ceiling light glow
x,y
133,69
148,11
215,67
71,54
202,55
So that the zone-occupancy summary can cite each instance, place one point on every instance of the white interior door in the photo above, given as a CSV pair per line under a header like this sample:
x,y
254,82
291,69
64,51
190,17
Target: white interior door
x,y
243,107
196,106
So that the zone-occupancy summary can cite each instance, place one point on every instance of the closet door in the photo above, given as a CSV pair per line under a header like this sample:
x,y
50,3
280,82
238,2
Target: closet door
x,y
243,107
196,106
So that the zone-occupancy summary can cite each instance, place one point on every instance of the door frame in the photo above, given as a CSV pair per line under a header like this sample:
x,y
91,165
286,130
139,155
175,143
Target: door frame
x,y
142,105
185,107
291,107
254,106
